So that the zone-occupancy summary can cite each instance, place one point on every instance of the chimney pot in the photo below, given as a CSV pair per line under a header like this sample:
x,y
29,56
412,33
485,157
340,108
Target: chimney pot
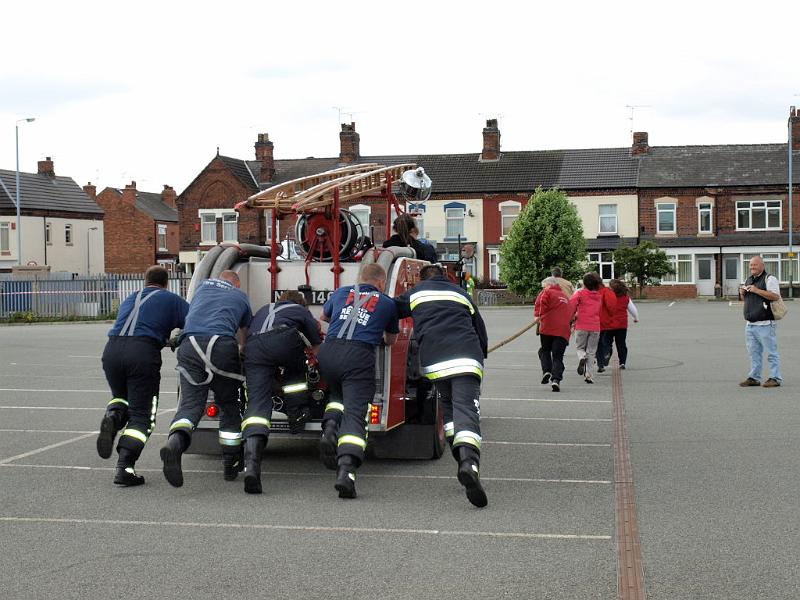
x,y
168,196
265,155
90,190
640,144
45,167
794,124
349,144
491,141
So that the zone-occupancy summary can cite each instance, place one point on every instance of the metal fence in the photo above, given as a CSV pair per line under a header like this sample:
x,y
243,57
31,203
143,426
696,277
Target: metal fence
x,y
91,297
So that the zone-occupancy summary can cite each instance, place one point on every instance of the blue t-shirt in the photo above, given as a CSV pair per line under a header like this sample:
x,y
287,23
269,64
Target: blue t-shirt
x,y
157,317
217,308
377,315
294,315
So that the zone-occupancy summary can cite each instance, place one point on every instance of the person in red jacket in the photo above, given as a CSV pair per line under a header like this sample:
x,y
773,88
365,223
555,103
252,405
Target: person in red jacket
x,y
588,302
616,329
553,314
607,310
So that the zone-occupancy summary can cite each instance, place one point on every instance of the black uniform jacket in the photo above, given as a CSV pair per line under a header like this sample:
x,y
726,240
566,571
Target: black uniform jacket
x,y
448,326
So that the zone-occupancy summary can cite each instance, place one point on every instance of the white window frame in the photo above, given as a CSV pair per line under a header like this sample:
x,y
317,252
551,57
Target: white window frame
x,y
5,234
268,229
205,221
494,264
601,216
709,208
362,208
675,260
162,230
453,219
513,217
666,207
747,206
601,262
68,234
226,219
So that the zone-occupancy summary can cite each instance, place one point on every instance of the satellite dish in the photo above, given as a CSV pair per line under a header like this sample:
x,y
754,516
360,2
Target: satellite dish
x,y
416,184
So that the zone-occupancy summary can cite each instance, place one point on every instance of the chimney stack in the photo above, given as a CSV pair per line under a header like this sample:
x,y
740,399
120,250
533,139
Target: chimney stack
x,y
349,144
46,167
168,196
794,123
491,141
90,190
129,193
265,157
640,145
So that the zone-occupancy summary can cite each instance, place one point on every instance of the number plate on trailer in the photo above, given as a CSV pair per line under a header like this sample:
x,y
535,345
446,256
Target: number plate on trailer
x,y
318,297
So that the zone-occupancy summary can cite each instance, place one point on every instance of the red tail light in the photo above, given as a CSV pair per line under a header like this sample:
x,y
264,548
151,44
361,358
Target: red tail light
x,y
212,410
375,414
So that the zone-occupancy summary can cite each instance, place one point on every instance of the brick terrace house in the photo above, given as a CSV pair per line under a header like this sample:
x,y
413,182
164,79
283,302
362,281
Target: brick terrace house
x,y
141,228
61,227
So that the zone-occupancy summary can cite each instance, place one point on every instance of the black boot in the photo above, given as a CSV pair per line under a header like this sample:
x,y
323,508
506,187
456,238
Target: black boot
x,y
469,475
253,448
125,475
327,445
232,464
177,442
109,427
346,477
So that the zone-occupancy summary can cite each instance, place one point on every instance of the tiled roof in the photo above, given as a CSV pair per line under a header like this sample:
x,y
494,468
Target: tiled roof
x,y
716,166
240,169
152,204
41,192
609,243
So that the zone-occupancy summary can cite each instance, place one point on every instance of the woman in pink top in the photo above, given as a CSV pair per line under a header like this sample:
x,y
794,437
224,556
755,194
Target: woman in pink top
x,y
588,302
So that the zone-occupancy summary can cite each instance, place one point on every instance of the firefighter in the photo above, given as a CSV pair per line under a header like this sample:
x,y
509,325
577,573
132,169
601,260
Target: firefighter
x,y
208,358
279,336
132,364
360,318
453,344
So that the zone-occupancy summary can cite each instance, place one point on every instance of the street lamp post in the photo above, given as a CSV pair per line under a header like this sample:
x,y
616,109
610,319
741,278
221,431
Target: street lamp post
x,y
19,223
792,260
88,271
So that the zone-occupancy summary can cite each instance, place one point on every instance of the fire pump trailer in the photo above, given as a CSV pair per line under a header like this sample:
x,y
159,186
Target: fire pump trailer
x,y
405,417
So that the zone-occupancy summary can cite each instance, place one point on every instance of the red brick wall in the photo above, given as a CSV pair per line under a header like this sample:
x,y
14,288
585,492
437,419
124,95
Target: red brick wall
x,y
669,292
128,233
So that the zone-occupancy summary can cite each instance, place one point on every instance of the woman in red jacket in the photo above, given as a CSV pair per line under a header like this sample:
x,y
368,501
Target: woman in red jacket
x,y
553,313
616,330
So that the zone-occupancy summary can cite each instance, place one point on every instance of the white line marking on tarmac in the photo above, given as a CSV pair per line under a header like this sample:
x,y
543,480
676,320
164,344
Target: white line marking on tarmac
x,y
577,445
324,474
61,391
103,408
545,400
670,304
6,461
515,352
264,526
483,418
81,356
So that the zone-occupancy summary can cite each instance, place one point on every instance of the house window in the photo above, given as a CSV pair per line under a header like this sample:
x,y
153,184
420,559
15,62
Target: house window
x,y
362,213
704,217
772,264
268,217
509,212
604,262
454,217
48,234
162,237
665,218
608,219
5,238
68,234
758,215
789,270
683,265
494,265
208,224
230,231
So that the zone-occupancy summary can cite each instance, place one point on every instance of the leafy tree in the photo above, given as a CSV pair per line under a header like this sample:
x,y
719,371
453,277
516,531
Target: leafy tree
x,y
645,264
548,233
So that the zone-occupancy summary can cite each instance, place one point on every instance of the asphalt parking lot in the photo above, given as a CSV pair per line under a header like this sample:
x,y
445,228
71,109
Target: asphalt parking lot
x,y
714,471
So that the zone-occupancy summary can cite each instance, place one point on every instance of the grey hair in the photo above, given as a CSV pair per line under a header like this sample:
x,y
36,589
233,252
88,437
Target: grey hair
x,y
550,281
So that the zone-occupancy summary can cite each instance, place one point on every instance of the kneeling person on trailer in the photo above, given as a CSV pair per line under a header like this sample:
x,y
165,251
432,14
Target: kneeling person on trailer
x,y
132,364
278,337
360,317
208,358
452,346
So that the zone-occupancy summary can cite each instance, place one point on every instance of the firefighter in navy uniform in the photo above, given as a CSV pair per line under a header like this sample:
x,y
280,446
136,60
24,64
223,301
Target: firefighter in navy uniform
x,y
453,343
278,337
132,364
208,359
360,318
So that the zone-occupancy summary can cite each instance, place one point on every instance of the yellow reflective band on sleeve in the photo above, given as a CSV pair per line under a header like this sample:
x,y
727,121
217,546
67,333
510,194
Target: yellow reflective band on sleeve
x,y
418,298
334,406
456,366
354,440
449,429
467,437
256,421
142,437
181,424
294,388
119,401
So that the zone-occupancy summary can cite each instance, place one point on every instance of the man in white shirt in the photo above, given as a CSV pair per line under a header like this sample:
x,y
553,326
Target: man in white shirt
x,y
758,292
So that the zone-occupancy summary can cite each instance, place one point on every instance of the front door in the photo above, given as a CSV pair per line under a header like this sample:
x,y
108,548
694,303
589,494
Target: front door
x,y
705,275
730,276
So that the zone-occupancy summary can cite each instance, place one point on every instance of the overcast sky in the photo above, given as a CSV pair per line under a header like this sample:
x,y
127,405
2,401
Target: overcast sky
x,y
148,90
